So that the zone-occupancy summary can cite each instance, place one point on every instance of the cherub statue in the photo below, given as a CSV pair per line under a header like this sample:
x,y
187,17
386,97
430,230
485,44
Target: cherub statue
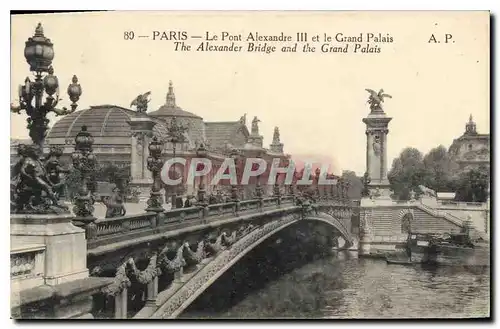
x,y
141,102
114,204
376,99
243,119
255,126
54,170
31,187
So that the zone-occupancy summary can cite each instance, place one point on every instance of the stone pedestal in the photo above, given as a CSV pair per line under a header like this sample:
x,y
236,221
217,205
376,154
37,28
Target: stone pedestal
x,y
256,140
69,300
62,244
375,208
377,124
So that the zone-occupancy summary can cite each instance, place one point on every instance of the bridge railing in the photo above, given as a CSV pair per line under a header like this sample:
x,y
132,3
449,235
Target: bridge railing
x,y
183,217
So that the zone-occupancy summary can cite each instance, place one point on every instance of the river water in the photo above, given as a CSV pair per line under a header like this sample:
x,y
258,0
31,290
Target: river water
x,y
345,286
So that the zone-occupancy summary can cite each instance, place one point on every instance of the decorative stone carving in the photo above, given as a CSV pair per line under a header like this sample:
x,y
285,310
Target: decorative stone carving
x,y
377,146
121,281
215,247
228,240
194,257
148,274
427,191
22,264
174,265
172,304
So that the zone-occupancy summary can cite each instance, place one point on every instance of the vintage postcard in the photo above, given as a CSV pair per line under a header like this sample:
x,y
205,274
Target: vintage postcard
x,y
250,165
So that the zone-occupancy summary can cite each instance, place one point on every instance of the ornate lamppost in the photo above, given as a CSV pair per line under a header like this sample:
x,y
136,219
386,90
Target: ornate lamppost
x,y
85,162
155,163
328,188
316,178
340,188
201,152
259,193
332,189
345,193
235,155
34,193
175,133
294,182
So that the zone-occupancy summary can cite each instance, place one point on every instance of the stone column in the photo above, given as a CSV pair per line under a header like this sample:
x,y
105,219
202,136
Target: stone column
x,y
142,132
376,151
376,182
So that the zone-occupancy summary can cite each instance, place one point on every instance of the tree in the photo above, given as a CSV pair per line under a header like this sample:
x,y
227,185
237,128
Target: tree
x,y
407,173
120,176
472,185
441,169
355,184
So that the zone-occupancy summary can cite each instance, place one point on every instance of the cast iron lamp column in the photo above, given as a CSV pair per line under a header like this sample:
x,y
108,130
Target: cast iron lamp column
x,y
155,163
85,162
176,135
234,187
235,155
201,152
258,188
317,173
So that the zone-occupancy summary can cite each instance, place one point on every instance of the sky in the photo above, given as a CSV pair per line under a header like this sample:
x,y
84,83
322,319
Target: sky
x,y
317,99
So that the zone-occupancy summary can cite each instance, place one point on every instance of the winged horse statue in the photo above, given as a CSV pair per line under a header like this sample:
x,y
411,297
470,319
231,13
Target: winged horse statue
x,y
141,102
376,99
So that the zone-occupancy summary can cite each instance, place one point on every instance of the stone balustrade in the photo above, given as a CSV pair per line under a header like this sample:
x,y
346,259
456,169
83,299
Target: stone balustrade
x,y
181,245
112,230
27,266
465,205
117,242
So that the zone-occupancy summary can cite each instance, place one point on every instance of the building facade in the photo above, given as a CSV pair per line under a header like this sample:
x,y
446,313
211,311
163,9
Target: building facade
x,y
117,140
472,149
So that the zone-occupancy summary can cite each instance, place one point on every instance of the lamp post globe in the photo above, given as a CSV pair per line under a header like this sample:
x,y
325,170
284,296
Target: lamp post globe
x,y
50,82
74,90
39,51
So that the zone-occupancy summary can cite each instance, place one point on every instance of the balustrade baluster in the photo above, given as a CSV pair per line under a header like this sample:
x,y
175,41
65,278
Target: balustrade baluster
x,y
121,304
125,225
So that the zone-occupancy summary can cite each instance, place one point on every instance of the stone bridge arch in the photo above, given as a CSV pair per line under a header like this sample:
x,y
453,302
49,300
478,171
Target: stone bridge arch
x,y
172,305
